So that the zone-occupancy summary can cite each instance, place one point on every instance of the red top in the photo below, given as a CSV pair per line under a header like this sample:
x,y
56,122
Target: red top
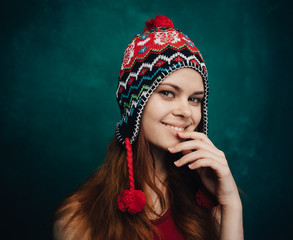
x,y
167,228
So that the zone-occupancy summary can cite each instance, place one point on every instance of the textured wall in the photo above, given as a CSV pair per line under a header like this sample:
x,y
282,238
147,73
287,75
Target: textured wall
x,y
60,61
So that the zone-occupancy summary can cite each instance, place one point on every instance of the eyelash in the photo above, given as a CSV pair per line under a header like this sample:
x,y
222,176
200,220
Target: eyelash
x,y
166,93
199,100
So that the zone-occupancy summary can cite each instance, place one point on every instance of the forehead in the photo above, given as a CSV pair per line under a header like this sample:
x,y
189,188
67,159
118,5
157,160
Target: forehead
x,y
187,77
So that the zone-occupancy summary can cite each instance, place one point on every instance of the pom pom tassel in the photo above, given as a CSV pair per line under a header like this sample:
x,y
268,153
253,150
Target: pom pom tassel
x,y
131,200
159,21
205,201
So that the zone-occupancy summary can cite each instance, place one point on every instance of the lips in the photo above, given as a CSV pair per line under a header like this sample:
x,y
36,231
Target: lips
x,y
178,128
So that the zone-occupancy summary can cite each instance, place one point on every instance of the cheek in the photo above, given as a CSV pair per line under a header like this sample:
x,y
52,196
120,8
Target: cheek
x,y
149,129
146,121
197,116
149,121
153,110
144,125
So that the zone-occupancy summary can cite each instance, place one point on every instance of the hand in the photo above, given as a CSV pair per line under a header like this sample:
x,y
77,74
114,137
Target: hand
x,y
201,155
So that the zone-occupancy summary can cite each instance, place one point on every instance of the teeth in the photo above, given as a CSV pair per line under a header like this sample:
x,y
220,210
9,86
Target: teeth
x,y
175,128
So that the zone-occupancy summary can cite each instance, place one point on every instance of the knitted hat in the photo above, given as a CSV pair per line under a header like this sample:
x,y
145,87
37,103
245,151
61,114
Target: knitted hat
x,y
148,60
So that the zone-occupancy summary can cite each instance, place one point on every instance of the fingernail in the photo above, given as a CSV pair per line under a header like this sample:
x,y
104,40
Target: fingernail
x,y
176,163
170,148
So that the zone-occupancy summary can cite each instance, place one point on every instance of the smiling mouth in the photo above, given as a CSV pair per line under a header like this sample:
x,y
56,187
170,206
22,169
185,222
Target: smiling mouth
x,y
178,129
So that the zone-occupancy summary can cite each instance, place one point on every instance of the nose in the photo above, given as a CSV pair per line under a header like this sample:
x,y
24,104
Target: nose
x,y
182,108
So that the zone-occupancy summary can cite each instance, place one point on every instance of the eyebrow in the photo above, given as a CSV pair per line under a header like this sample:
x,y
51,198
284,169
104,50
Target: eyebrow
x,y
179,89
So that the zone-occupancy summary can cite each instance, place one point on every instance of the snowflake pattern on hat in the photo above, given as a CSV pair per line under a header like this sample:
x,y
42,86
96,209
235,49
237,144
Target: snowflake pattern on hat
x,y
162,38
128,54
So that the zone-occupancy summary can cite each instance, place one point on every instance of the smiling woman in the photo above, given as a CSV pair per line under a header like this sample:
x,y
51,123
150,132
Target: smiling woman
x,y
174,106
162,178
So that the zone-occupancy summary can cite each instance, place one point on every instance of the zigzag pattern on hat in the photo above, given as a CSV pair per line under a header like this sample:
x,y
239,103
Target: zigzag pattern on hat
x,y
150,66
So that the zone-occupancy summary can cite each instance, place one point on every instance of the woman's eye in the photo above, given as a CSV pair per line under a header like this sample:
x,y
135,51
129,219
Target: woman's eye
x,y
167,94
195,99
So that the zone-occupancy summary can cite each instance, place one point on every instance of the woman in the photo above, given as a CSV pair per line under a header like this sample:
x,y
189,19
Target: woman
x,y
162,178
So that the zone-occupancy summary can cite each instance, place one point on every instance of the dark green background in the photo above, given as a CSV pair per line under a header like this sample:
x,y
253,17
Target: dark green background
x,y
59,65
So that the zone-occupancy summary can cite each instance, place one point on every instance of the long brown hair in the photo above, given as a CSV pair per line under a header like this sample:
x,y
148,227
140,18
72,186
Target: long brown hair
x,y
92,213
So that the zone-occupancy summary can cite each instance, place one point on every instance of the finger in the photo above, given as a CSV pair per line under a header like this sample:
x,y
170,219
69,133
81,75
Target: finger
x,y
192,145
195,135
196,155
220,170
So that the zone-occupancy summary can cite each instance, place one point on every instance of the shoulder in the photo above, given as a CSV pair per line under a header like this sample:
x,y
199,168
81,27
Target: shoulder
x,y
69,225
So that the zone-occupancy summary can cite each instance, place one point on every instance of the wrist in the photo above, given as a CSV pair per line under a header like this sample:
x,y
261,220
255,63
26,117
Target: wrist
x,y
233,205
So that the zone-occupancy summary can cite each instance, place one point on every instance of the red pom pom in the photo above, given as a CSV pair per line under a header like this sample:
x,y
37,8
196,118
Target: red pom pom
x,y
159,21
204,201
131,201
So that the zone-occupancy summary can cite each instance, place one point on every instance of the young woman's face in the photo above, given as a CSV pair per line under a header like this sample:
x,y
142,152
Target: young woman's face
x,y
174,106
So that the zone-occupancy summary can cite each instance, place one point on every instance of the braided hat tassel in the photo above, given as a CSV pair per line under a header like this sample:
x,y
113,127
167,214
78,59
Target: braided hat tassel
x,y
131,200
